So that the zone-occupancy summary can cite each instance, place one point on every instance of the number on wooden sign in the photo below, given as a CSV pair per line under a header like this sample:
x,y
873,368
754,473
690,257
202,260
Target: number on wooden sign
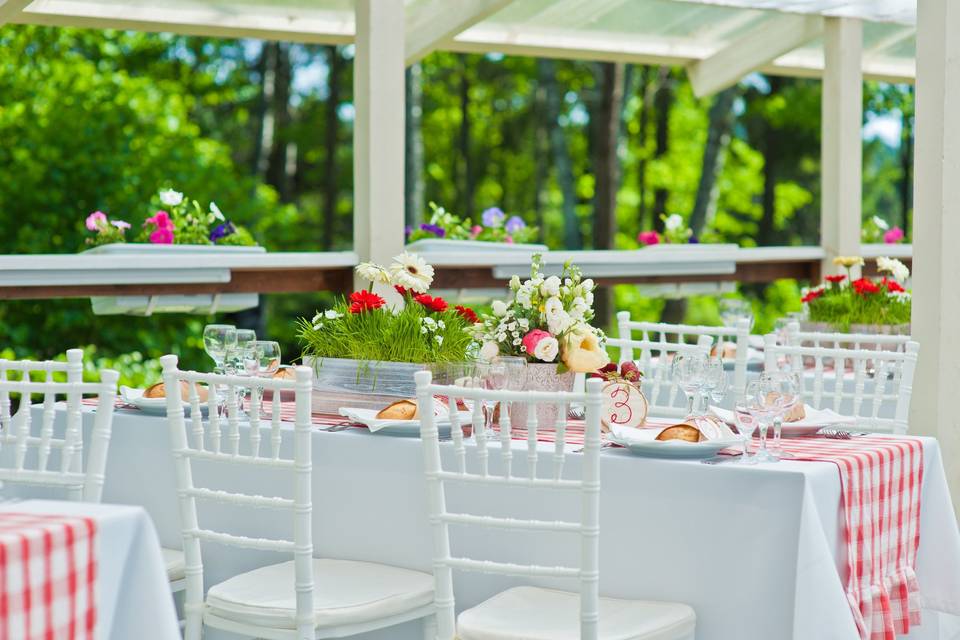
x,y
624,405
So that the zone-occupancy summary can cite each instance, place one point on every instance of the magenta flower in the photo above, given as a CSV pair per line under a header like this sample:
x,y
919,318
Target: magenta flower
x,y
475,230
120,224
161,220
648,238
95,220
893,236
162,235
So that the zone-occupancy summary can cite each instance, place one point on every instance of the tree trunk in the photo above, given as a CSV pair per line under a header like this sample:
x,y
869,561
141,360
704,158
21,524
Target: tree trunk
x,y
906,160
263,143
718,137
771,153
606,168
572,238
541,158
644,122
279,169
331,185
413,185
662,103
466,166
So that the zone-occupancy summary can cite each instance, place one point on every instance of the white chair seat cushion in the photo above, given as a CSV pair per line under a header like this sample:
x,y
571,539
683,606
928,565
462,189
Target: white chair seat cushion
x,y
175,564
531,613
344,592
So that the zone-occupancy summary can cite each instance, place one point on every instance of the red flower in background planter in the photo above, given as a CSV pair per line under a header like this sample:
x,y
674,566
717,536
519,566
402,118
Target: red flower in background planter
x,y
361,301
813,294
893,286
837,279
864,286
467,314
437,305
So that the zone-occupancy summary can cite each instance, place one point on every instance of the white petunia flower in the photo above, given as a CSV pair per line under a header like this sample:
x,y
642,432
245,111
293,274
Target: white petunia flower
x,y
410,271
673,222
547,349
499,307
372,272
880,223
170,197
215,210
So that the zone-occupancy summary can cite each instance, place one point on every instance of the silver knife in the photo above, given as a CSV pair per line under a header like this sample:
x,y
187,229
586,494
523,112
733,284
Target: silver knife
x,y
720,459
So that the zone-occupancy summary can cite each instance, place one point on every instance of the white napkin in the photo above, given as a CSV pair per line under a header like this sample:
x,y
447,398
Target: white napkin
x,y
368,417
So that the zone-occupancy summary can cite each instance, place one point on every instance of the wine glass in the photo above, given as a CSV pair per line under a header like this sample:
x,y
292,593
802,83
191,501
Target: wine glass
x,y
763,408
783,390
493,377
734,309
688,372
218,340
714,379
746,425
265,361
234,359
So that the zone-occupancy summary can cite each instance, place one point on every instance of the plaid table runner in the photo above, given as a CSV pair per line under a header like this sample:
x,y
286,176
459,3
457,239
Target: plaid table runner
x,y
48,572
880,478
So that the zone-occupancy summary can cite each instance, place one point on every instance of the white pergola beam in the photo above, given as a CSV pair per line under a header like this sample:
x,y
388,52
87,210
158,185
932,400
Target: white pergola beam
x,y
841,144
10,8
378,132
762,44
433,22
199,19
936,225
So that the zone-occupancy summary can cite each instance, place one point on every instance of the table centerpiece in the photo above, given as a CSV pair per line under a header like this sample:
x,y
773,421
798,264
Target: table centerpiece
x,y
365,351
863,305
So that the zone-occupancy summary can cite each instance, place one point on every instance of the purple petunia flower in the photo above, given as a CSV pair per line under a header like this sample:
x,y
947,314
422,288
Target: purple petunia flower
x,y
222,231
515,223
492,217
407,231
434,229
693,240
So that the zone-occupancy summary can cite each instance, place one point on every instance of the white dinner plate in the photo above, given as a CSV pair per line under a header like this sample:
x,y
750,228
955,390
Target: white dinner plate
x,y
643,442
152,406
404,428
815,420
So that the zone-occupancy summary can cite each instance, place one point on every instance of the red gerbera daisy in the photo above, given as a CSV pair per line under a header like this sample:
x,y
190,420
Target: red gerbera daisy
x,y
813,294
401,290
438,305
467,314
364,300
864,286
837,279
893,286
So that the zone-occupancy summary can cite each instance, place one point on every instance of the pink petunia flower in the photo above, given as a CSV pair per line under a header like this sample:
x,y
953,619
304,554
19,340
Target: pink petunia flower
x,y
893,236
648,238
162,235
95,220
475,230
161,220
120,224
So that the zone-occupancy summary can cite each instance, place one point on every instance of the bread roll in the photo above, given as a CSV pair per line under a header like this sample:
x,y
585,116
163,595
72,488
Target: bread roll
x,y
284,373
399,410
159,391
686,432
796,413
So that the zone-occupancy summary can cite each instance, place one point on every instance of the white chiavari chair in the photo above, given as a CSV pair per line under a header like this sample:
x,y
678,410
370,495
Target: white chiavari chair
x,y
656,354
301,599
873,386
661,332
794,337
528,612
34,454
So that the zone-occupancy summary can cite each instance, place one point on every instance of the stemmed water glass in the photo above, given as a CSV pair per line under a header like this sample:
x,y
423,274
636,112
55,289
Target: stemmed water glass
x,y
783,390
493,377
234,362
746,425
688,372
734,309
762,406
714,382
218,341
262,359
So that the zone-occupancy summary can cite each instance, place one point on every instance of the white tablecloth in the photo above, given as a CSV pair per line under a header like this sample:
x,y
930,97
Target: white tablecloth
x,y
133,595
754,550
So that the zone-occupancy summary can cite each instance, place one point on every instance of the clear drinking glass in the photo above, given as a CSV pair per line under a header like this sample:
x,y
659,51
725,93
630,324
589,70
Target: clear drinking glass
x,y
714,377
493,377
218,340
265,362
688,372
733,309
234,357
783,390
763,408
746,425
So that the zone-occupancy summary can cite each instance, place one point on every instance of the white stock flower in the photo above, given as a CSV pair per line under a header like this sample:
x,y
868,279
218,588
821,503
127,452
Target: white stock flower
x,y
673,222
587,285
550,286
523,297
410,271
499,308
515,283
170,197
489,351
215,210
894,267
547,349
372,272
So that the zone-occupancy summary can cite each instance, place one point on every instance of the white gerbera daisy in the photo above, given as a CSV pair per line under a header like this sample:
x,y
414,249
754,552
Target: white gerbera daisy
x,y
894,267
372,272
410,271
170,197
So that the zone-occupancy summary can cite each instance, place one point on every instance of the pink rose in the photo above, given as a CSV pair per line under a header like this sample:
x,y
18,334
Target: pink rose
x,y
161,220
541,345
893,236
95,220
162,235
648,238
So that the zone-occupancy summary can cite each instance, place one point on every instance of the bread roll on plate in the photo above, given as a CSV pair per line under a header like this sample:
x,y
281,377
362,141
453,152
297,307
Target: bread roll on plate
x,y
159,391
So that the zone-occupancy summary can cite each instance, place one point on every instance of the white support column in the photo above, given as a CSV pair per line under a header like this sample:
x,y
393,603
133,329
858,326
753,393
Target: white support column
x,y
378,131
936,225
841,146
9,9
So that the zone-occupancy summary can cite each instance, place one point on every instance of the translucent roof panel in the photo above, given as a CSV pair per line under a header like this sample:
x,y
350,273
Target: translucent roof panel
x,y
674,32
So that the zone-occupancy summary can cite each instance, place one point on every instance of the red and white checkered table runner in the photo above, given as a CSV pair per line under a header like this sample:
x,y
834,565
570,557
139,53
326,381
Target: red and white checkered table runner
x,y
881,478
48,570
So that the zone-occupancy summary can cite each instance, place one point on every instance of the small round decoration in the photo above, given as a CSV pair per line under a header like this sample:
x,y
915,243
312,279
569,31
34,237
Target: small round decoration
x,y
624,405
